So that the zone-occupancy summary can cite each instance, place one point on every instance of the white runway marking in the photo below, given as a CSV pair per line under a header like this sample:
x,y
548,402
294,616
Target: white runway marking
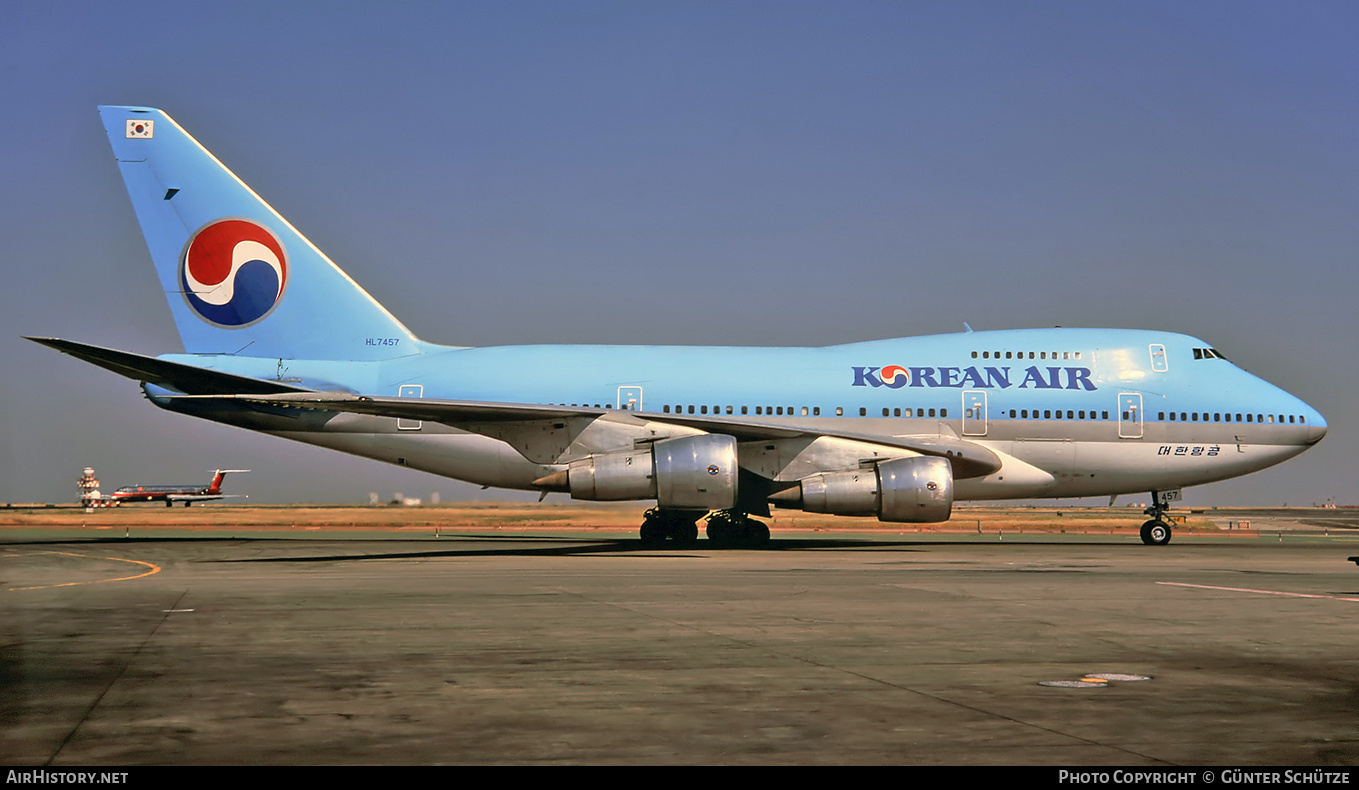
x,y
1261,592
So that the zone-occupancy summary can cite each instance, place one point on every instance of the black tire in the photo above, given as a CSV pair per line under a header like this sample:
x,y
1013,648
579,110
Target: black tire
x,y
683,531
652,532
720,532
1156,533
755,533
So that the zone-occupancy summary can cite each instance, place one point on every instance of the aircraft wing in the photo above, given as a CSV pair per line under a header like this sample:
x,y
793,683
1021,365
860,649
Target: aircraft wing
x,y
450,412
172,375
969,459
544,434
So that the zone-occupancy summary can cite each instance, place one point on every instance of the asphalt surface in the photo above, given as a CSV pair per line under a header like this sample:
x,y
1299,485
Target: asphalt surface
x,y
564,649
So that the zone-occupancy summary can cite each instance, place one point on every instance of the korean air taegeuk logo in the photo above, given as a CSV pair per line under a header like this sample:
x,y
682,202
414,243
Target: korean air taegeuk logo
x,y
233,272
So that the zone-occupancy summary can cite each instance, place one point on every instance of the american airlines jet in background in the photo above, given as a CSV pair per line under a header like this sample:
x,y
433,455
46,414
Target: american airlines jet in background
x,y
280,340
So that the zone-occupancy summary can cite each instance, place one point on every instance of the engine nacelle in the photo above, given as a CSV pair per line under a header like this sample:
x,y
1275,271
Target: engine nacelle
x,y
918,489
690,472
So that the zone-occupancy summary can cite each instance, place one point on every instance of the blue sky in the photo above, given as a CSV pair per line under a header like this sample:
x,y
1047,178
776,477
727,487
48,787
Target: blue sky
x,y
736,173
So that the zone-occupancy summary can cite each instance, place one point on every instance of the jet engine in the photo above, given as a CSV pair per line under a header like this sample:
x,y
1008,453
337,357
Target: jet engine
x,y
917,489
692,472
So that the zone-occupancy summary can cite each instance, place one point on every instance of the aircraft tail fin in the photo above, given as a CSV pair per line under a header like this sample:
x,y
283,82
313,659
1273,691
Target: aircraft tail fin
x,y
238,276
216,486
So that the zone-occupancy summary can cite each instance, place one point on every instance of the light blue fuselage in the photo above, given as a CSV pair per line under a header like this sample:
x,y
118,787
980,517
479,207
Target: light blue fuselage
x,y
1103,411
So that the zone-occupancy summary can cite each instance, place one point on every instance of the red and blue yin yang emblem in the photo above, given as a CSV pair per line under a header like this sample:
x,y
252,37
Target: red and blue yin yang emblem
x,y
894,376
233,272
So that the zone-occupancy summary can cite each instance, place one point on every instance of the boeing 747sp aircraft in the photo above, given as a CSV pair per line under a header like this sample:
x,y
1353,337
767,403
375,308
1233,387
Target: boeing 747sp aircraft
x,y
280,340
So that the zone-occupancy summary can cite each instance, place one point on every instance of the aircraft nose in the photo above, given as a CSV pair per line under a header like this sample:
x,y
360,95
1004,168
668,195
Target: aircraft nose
x,y
1316,427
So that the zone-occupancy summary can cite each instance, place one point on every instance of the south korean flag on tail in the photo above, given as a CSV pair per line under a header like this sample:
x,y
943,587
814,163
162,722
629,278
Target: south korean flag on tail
x,y
142,129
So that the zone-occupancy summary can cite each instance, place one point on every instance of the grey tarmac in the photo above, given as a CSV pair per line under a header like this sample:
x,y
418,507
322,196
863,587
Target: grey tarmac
x,y
572,648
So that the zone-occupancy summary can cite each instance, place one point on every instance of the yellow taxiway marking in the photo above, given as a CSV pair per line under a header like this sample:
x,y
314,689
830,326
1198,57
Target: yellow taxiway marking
x,y
1260,592
154,569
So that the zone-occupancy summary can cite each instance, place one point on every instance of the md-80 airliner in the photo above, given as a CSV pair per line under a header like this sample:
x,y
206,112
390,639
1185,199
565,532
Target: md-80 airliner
x,y
280,340
188,494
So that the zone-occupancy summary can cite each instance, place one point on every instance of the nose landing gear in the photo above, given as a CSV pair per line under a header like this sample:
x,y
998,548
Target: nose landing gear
x,y
1157,531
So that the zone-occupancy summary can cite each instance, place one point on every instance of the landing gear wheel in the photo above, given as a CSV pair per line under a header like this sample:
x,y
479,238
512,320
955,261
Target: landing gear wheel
x,y
757,533
736,530
683,531
653,531
1156,533
680,526
720,531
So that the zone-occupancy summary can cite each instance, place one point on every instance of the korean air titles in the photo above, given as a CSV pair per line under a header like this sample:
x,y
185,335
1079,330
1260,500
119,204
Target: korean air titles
x,y
1032,377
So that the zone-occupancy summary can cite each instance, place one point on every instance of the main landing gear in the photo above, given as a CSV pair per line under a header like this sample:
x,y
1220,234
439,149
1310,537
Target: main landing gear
x,y
730,528
680,526
726,528
1157,531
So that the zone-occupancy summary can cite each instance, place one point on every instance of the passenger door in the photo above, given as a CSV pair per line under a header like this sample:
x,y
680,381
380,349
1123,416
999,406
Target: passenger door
x,y
1130,415
974,413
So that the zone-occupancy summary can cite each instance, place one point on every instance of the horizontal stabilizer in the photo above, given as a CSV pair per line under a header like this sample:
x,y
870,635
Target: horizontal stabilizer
x,y
171,375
